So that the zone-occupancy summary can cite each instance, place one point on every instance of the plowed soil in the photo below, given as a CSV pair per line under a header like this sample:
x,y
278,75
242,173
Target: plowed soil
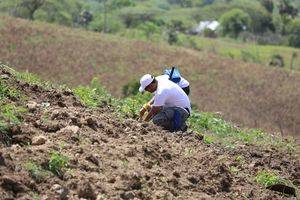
x,y
124,159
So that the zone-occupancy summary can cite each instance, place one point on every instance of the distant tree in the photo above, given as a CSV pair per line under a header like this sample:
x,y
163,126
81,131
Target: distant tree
x,y
268,4
260,18
135,17
293,32
208,2
85,18
177,25
287,12
149,28
182,3
287,9
172,37
64,12
22,8
234,22
116,4
109,6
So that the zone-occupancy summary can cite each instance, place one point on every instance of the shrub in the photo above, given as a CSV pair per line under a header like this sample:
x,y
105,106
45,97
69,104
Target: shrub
x,y
62,12
94,95
249,57
36,171
8,92
134,17
209,33
277,61
177,25
58,163
172,37
113,24
293,31
268,4
267,178
247,36
117,4
149,28
10,115
234,22
270,38
182,3
131,88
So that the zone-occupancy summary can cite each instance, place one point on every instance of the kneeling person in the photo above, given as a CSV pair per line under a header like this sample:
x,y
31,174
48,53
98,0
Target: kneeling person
x,y
170,106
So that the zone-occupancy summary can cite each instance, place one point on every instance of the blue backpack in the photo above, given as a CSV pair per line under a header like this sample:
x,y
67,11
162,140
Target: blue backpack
x,y
174,74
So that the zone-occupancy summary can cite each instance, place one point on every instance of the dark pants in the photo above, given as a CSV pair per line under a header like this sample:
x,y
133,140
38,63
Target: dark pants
x,y
186,90
166,118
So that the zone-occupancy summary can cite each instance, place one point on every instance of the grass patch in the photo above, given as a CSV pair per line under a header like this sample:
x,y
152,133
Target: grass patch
x,y
36,171
8,92
10,115
233,169
33,79
219,131
94,95
268,178
58,163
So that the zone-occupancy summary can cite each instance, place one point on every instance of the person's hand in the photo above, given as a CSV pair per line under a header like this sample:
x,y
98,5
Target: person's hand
x,y
142,112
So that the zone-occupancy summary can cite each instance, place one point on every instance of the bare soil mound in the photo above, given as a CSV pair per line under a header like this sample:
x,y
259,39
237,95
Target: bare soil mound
x,y
108,158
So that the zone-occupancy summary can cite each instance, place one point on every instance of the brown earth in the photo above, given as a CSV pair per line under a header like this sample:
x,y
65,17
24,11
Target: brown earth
x,y
250,95
124,159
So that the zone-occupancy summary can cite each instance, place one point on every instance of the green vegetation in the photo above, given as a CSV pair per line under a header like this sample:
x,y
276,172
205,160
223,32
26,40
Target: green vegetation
x,y
36,171
240,159
268,178
233,169
94,95
234,22
8,92
58,163
157,18
294,33
35,80
215,129
220,131
11,114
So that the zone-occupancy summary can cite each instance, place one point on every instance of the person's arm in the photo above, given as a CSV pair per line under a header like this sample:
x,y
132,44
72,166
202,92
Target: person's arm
x,y
154,110
151,101
146,107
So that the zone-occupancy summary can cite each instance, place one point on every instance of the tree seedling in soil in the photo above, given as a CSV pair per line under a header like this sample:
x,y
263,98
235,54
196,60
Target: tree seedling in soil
x,y
267,178
188,152
233,169
240,159
273,182
58,163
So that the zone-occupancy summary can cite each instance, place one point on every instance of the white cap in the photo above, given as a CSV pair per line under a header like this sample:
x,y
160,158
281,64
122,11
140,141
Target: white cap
x,y
145,81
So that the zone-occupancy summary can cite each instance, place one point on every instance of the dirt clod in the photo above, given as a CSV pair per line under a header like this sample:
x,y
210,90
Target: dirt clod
x,y
39,140
12,184
86,190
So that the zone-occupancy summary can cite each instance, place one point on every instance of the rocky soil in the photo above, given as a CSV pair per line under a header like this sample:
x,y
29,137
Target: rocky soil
x,y
109,158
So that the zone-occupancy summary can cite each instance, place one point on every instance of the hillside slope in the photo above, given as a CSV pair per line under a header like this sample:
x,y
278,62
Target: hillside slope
x,y
248,94
64,150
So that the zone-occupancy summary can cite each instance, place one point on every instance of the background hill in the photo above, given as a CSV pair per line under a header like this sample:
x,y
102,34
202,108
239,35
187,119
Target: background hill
x,y
248,94
177,22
